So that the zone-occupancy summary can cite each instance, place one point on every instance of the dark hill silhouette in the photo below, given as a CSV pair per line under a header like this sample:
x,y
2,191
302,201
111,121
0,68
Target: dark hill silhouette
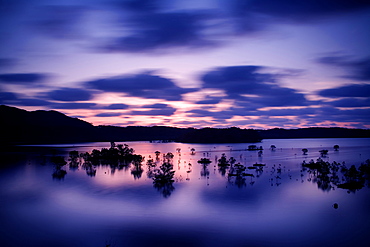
x,y
19,126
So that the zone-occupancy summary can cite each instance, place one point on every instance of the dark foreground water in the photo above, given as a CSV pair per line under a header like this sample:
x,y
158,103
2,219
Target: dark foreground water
x,y
282,205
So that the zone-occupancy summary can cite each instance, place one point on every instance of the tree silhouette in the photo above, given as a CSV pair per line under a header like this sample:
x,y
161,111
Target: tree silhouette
x,y
324,152
163,179
325,174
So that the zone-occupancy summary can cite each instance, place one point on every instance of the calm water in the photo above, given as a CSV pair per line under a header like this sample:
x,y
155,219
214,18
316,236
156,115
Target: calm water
x,y
282,205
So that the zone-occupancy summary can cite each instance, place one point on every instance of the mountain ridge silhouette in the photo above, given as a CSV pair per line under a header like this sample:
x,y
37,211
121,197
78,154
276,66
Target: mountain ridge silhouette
x,y
18,126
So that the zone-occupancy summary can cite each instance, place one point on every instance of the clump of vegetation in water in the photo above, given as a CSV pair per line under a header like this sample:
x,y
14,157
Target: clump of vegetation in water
x,y
163,179
116,155
204,161
324,152
223,164
237,175
327,175
58,162
254,147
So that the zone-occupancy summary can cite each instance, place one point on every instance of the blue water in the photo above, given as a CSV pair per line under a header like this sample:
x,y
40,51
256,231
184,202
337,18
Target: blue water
x,y
204,208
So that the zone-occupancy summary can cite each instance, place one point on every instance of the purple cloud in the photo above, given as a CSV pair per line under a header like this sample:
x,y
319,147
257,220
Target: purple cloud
x,y
298,10
72,105
347,91
70,94
359,69
7,96
157,110
238,81
140,85
22,78
60,21
152,31
351,102
116,107
108,114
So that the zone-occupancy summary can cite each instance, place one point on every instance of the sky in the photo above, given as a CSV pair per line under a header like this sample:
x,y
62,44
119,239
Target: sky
x,y
189,63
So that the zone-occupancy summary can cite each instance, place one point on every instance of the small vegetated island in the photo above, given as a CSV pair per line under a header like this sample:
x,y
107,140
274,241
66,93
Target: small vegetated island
x,y
119,157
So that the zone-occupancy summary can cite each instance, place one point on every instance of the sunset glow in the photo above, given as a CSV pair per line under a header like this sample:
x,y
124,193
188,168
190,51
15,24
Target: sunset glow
x,y
250,64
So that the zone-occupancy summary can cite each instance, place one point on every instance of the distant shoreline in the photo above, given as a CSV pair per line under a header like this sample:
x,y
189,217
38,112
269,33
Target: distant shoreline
x,y
21,127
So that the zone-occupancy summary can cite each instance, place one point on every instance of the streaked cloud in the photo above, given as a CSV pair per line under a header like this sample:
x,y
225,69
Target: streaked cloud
x,y
70,94
22,78
356,90
156,110
143,85
263,88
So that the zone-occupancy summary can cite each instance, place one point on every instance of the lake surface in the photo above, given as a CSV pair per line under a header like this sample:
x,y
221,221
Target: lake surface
x,y
282,204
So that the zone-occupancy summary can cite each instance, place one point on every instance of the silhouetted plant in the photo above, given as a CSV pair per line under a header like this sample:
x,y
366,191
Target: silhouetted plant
x,y
59,173
163,179
74,160
114,156
223,161
223,164
137,170
336,147
232,161
169,157
325,174
304,150
58,162
254,147
151,165
324,152
237,175
204,161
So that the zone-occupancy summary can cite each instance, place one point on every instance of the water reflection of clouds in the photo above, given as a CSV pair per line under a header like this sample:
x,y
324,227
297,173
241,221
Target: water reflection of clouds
x,y
132,213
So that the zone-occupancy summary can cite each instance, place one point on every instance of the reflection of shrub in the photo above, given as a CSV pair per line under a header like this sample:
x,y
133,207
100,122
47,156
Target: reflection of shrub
x,y
237,174
59,174
325,174
163,179
165,189
137,171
